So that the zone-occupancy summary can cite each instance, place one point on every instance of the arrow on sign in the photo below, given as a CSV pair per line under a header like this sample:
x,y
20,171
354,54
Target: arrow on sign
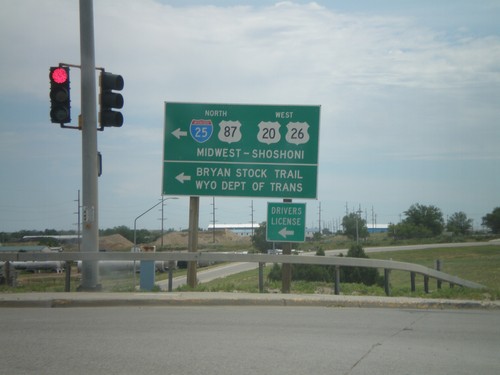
x,y
178,133
284,233
182,177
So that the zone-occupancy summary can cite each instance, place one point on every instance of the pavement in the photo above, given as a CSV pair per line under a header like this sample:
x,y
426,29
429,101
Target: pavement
x,y
102,299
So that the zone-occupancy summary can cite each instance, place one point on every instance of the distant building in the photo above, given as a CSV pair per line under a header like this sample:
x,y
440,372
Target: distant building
x,y
239,229
58,237
378,228
29,249
311,231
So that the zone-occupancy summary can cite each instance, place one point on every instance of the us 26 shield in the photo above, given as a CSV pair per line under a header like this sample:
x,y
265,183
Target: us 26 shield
x,y
201,130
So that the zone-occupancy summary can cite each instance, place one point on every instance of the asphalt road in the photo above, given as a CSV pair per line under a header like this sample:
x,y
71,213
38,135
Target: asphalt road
x,y
248,340
209,274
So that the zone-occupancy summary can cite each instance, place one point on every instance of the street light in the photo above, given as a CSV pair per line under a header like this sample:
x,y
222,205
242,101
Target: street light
x,y
144,213
135,229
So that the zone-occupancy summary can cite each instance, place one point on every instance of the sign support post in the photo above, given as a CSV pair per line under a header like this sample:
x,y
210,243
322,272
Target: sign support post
x,y
194,213
286,268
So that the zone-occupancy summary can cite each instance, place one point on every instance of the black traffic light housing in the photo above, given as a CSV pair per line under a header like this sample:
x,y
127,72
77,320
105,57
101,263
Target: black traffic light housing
x,y
60,103
109,100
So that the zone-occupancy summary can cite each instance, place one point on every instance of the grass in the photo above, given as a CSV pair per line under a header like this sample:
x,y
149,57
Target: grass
x,y
479,264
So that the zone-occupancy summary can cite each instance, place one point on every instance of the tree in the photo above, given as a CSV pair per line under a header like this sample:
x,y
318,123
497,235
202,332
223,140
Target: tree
x,y
259,238
408,230
354,226
458,223
365,275
429,217
492,220
306,272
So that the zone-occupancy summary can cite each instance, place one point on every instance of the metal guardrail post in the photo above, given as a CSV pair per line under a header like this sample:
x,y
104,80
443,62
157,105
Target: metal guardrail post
x,y
170,274
261,277
438,268
337,280
67,283
387,281
412,281
6,268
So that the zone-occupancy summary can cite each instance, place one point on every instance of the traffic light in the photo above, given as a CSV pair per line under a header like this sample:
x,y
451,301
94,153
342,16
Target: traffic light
x,y
108,99
60,103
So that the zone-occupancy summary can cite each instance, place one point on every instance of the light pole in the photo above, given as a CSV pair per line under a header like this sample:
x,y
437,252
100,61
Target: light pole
x,y
135,227
144,213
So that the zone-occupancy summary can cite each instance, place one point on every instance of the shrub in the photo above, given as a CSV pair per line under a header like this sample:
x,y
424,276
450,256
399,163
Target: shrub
x,y
363,275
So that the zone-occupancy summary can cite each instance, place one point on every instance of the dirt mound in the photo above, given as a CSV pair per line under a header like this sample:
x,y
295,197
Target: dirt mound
x,y
176,239
115,242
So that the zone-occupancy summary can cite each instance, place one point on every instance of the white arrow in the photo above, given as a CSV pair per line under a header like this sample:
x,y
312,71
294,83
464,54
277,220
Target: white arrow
x,y
182,177
284,233
178,133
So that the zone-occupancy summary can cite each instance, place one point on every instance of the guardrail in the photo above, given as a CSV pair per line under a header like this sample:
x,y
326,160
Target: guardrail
x,y
386,265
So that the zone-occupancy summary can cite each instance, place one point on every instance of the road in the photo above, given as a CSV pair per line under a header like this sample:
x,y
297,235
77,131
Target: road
x,y
232,268
209,274
248,340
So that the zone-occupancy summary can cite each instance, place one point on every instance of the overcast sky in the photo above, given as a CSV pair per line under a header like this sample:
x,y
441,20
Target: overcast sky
x,y
409,94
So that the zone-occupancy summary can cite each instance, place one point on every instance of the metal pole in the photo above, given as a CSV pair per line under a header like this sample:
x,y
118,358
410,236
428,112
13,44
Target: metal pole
x,y
135,228
144,213
90,229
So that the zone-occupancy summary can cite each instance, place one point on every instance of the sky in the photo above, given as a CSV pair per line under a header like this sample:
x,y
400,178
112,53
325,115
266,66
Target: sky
x,y
409,94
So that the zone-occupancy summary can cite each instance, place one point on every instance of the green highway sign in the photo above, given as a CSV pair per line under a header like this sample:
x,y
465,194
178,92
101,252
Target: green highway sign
x,y
240,150
286,222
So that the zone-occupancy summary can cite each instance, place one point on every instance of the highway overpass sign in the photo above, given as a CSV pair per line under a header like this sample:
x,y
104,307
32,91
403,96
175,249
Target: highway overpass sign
x,y
240,150
286,222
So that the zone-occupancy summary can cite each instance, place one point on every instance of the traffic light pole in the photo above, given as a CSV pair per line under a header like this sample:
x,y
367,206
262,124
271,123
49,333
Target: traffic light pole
x,y
90,227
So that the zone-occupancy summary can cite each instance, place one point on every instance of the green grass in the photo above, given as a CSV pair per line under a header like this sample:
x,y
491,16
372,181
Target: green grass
x,y
479,264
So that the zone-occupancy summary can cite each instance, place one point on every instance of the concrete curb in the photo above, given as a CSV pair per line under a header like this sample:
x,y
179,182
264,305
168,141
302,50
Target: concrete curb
x,y
85,299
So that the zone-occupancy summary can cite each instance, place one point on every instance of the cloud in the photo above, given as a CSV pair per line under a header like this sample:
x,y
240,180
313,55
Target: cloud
x,y
391,87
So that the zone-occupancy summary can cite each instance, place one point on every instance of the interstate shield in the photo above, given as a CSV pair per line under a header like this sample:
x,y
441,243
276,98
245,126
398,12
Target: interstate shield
x,y
201,130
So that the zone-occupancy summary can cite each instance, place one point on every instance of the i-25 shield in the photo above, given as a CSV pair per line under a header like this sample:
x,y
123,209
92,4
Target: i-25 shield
x,y
201,130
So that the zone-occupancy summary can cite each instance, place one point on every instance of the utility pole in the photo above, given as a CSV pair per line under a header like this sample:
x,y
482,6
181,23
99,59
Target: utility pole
x,y
319,218
213,219
78,220
251,215
358,216
90,229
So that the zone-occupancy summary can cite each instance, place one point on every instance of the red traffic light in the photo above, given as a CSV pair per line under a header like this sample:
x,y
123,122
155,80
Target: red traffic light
x,y
59,75
60,102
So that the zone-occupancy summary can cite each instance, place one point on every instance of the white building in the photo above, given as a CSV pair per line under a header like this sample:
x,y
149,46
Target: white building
x,y
240,229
